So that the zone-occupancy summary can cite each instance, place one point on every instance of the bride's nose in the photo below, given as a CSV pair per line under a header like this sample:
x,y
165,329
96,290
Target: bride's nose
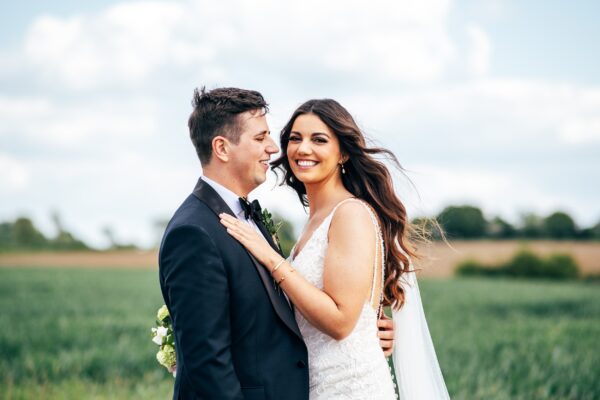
x,y
304,147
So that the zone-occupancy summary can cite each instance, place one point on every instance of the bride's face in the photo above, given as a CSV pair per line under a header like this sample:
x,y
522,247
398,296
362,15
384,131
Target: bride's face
x,y
313,150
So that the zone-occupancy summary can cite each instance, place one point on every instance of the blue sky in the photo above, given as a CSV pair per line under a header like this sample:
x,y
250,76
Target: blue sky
x,y
492,103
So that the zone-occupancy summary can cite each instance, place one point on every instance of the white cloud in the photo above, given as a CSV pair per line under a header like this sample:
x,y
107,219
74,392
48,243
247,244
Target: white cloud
x,y
15,175
124,44
478,59
581,131
129,42
55,124
495,111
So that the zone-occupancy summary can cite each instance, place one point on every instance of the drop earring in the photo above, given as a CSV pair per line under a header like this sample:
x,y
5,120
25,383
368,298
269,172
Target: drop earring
x,y
343,170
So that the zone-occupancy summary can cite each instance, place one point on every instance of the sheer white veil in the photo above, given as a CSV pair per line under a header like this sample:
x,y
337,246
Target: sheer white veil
x,y
418,373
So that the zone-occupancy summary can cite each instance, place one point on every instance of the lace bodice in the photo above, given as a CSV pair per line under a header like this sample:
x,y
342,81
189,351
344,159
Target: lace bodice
x,y
355,367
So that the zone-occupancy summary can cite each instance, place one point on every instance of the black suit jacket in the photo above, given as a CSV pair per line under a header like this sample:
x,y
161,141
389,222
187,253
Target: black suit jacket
x,y
235,334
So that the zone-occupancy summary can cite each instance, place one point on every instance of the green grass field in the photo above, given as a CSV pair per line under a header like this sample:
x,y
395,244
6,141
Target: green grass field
x,y
84,334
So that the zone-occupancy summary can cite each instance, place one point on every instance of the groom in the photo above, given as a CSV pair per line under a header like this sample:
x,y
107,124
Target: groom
x,y
235,332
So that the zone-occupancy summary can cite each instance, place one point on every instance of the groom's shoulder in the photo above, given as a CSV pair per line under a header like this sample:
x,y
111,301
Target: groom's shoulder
x,y
192,217
192,211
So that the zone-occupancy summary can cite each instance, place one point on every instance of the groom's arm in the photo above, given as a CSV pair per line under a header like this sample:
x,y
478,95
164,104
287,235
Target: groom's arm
x,y
197,287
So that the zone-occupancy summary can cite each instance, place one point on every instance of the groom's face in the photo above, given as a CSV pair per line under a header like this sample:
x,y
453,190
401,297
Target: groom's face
x,y
250,157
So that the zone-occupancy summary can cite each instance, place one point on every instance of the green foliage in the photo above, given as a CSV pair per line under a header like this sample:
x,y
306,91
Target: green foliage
x,y
559,225
23,235
285,233
468,222
84,334
562,266
472,267
524,264
531,226
500,229
462,222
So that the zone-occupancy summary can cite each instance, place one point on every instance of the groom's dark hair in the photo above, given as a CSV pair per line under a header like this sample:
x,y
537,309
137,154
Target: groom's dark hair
x,y
216,114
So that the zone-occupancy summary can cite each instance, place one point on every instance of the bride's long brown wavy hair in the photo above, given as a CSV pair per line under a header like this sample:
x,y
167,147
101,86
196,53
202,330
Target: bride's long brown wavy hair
x,y
366,178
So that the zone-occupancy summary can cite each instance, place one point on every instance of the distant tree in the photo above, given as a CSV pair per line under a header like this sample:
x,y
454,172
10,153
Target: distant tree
x,y
592,232
23,235
109,233
559,225
596,231
463,222
531,226
500,229
64,240
6,236
26,235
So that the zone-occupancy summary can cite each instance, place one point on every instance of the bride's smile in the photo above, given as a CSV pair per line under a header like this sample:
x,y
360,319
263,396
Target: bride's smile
x,y
313,150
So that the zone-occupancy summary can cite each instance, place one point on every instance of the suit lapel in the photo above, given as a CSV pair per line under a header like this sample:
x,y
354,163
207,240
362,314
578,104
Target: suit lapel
x,y
205,193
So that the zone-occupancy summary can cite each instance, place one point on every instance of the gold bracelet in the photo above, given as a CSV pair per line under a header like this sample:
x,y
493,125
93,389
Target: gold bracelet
x,y
277,266
283,277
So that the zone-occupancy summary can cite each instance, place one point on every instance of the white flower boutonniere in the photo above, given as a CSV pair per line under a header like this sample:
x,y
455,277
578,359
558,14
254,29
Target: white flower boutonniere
x,y
163,336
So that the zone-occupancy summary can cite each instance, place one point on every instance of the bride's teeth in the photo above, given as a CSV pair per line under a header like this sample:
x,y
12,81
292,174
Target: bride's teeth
x,y
303,163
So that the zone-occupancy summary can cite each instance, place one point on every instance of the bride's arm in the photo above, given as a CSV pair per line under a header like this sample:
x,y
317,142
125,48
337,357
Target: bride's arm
x,y
347,274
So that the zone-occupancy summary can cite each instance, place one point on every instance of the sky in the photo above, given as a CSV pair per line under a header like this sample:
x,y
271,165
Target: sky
x,y
491,103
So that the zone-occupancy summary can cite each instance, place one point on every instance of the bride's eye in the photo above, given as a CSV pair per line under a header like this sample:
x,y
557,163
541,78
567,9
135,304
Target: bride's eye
x,y
294,139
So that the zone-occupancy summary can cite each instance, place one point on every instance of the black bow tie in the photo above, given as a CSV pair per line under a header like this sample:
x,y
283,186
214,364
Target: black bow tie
x,y
251,210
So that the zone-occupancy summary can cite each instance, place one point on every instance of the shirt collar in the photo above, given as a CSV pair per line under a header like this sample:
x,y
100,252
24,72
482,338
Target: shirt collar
x,y
230,198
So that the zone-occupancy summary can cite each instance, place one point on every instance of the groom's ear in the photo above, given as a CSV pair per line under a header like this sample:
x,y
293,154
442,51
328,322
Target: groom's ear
x,y
220,148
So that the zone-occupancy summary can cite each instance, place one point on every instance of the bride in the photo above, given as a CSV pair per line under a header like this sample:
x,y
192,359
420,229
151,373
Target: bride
x,y
352,259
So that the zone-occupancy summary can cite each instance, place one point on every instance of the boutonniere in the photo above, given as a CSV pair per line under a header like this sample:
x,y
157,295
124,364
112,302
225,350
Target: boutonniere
x,y
271,226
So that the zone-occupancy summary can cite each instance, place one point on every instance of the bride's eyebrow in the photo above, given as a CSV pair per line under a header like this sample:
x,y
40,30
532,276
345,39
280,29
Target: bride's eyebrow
x,y
312,134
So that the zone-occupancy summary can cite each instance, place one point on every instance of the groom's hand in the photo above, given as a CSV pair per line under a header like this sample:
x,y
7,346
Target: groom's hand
x,y
386,335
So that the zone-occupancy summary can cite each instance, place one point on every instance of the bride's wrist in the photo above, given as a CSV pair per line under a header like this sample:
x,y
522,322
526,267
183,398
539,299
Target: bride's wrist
x,y
273,262
276,266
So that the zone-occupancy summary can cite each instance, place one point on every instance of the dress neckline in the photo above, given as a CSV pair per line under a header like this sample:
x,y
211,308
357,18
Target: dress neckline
x,y
293,254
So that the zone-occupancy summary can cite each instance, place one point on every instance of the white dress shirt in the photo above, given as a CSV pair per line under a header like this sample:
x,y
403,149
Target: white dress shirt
x,y
232,200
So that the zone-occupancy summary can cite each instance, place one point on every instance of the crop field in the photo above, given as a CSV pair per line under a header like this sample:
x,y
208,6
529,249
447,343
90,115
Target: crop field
x,y
439,259
84,334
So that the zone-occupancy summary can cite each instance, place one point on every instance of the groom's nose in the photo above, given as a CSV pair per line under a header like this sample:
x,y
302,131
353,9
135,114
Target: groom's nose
x,y
272,147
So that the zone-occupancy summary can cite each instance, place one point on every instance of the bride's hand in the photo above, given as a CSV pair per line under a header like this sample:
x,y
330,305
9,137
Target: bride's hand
x,y
254,242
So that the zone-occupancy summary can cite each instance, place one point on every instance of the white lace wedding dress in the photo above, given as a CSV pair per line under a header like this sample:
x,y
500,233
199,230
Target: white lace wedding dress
x,y
355,367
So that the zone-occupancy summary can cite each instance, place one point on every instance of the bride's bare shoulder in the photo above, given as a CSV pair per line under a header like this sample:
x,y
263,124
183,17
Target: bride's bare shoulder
x,y
352,219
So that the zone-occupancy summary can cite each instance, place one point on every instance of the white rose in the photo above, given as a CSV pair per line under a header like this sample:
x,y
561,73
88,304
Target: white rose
x,y
160,334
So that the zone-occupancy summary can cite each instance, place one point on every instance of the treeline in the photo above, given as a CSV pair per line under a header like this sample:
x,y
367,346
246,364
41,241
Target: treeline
x,y
469,222
21,234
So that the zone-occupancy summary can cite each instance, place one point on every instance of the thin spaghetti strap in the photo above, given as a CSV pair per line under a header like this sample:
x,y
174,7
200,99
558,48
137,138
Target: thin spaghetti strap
x,y
379,250
342,202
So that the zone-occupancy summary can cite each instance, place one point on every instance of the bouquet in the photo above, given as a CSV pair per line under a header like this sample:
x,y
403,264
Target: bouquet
x,y
162,335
